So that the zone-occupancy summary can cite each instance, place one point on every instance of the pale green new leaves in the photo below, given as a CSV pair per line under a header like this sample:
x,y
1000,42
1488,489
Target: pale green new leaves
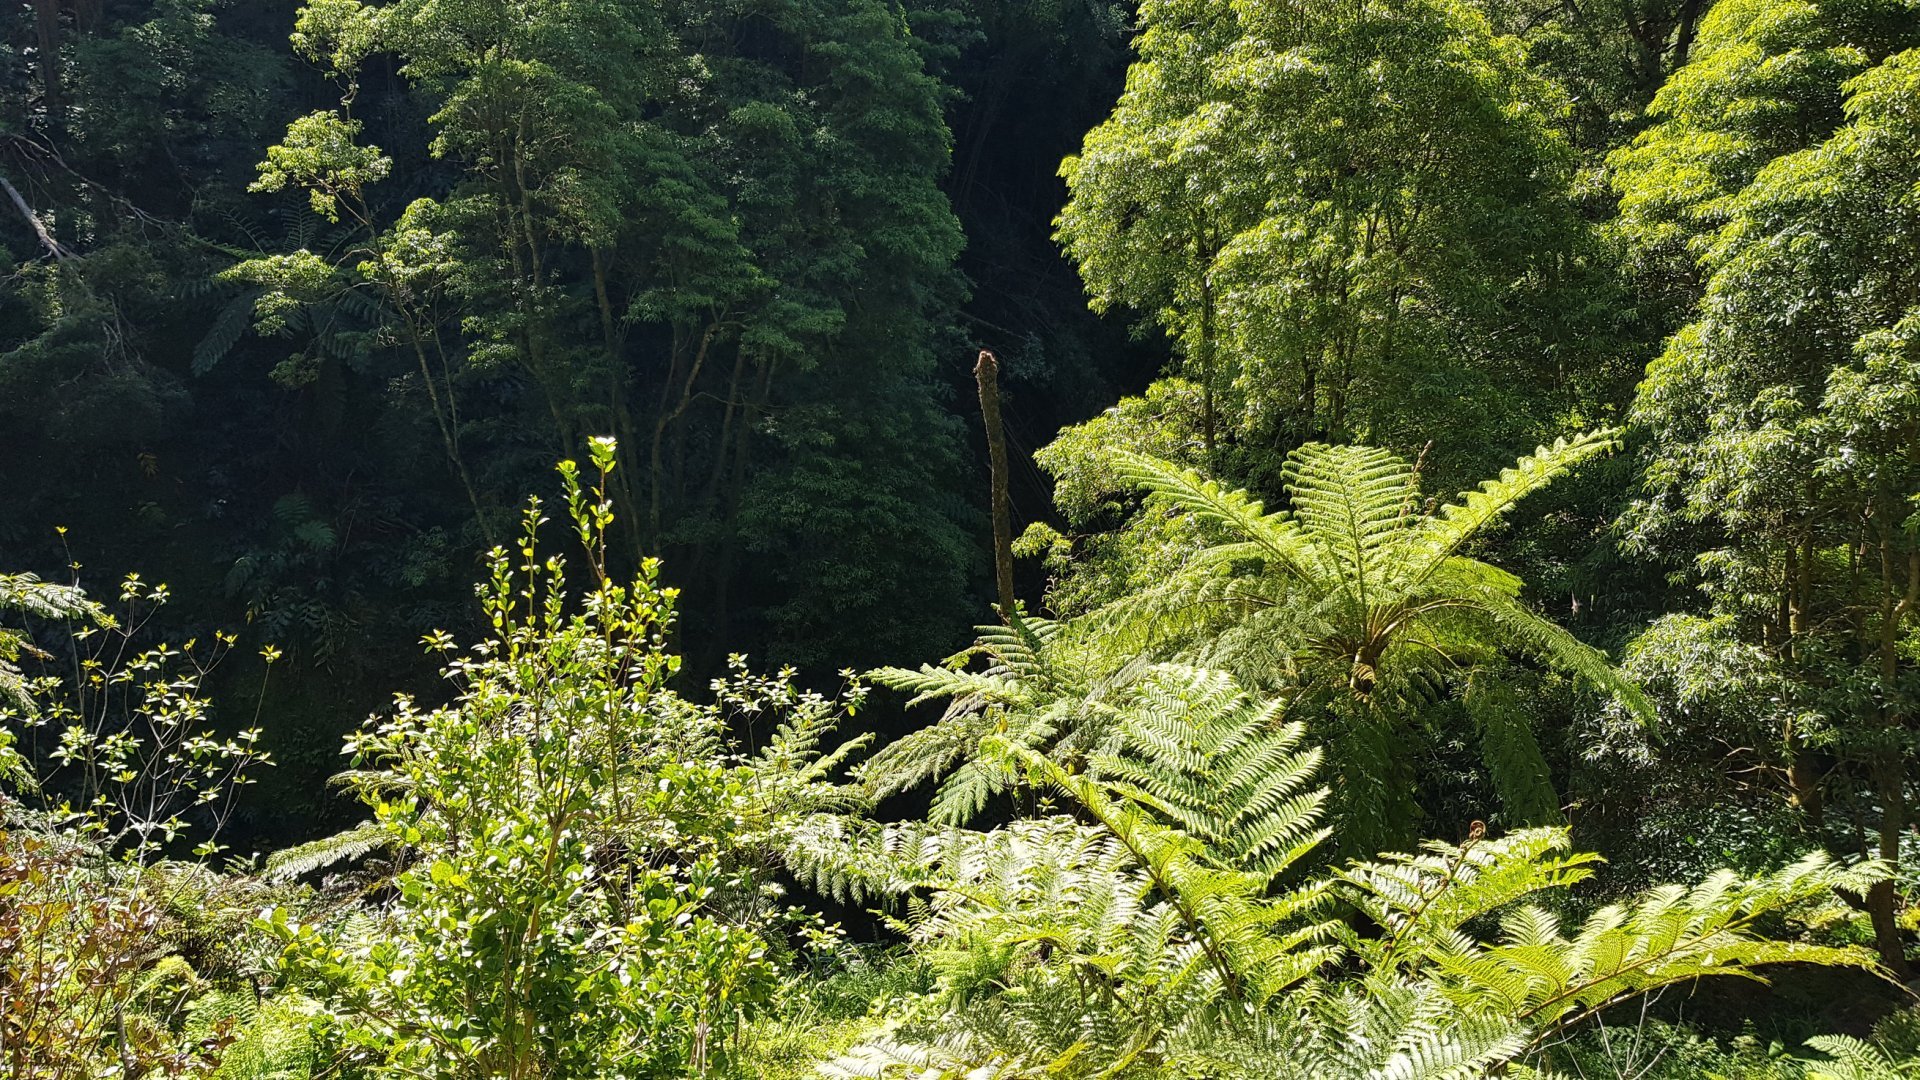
x,y
320,153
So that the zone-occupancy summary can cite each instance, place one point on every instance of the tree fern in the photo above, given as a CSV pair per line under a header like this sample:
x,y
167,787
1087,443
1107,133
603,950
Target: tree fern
x,y
1154,934
1150,909
1356,591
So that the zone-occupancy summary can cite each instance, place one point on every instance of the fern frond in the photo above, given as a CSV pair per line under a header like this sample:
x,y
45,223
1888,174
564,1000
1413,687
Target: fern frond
x,y
1226,770
930,683
225,331
1224,911
1355,501
1512,753
289,864
30,596
1369,1031
1549,641
1039,688
1442,535
1423,900
1536,974
1855,1059
275,1043
1279,537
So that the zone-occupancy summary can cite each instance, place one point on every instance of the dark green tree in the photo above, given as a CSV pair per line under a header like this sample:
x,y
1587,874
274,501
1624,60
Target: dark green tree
x,y
713,232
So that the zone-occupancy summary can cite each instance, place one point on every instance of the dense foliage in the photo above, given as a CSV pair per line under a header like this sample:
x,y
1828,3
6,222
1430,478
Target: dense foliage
x,y
1332,732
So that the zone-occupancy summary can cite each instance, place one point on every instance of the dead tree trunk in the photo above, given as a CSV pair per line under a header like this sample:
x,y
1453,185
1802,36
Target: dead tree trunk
x,y
987,373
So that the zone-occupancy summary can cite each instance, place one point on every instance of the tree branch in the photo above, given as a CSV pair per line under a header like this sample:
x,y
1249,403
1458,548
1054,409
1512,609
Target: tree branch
x,y
39,227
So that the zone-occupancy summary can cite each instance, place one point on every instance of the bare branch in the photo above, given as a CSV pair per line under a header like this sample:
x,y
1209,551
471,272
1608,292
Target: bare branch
x,y
39,227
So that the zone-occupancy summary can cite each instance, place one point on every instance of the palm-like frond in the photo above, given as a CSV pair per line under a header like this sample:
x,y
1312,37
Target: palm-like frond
x,y
1540,975
1856,1059
1669,935
1143,937
1067,948
1356,502
1442,535
1358,558
1243,948
1224,768
1356,591
295,862
274,1037
1036,689
1208,803
1019,666
1384,1028
1421,901
32,597
1545,639
1514,760
1278,537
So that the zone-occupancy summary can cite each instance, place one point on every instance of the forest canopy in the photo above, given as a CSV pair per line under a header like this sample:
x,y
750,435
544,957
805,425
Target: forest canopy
x,y
1178,540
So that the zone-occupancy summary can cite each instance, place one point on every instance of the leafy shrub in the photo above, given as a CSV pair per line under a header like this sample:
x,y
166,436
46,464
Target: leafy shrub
x,y
587,886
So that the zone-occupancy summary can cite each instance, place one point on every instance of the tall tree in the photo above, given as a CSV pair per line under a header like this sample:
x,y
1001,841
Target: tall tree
x,y
1611,55
1346,217
1785,418
715,232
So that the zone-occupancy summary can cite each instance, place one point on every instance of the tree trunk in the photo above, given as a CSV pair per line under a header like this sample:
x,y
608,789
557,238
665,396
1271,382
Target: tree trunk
x,y
1801,777
656,462
1207,433
1683,38
1804,780
729,540
1890,780
46,25
446,420
986,373
1890,764
711,497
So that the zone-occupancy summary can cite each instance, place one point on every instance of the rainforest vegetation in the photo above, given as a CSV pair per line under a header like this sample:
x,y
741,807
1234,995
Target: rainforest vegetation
x,y
959,539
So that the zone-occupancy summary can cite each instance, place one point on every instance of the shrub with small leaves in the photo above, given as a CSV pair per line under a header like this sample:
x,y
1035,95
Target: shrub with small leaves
x,y
587,889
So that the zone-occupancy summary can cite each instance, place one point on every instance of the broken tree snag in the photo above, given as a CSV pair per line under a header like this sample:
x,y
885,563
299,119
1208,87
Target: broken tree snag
x,y
987,373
